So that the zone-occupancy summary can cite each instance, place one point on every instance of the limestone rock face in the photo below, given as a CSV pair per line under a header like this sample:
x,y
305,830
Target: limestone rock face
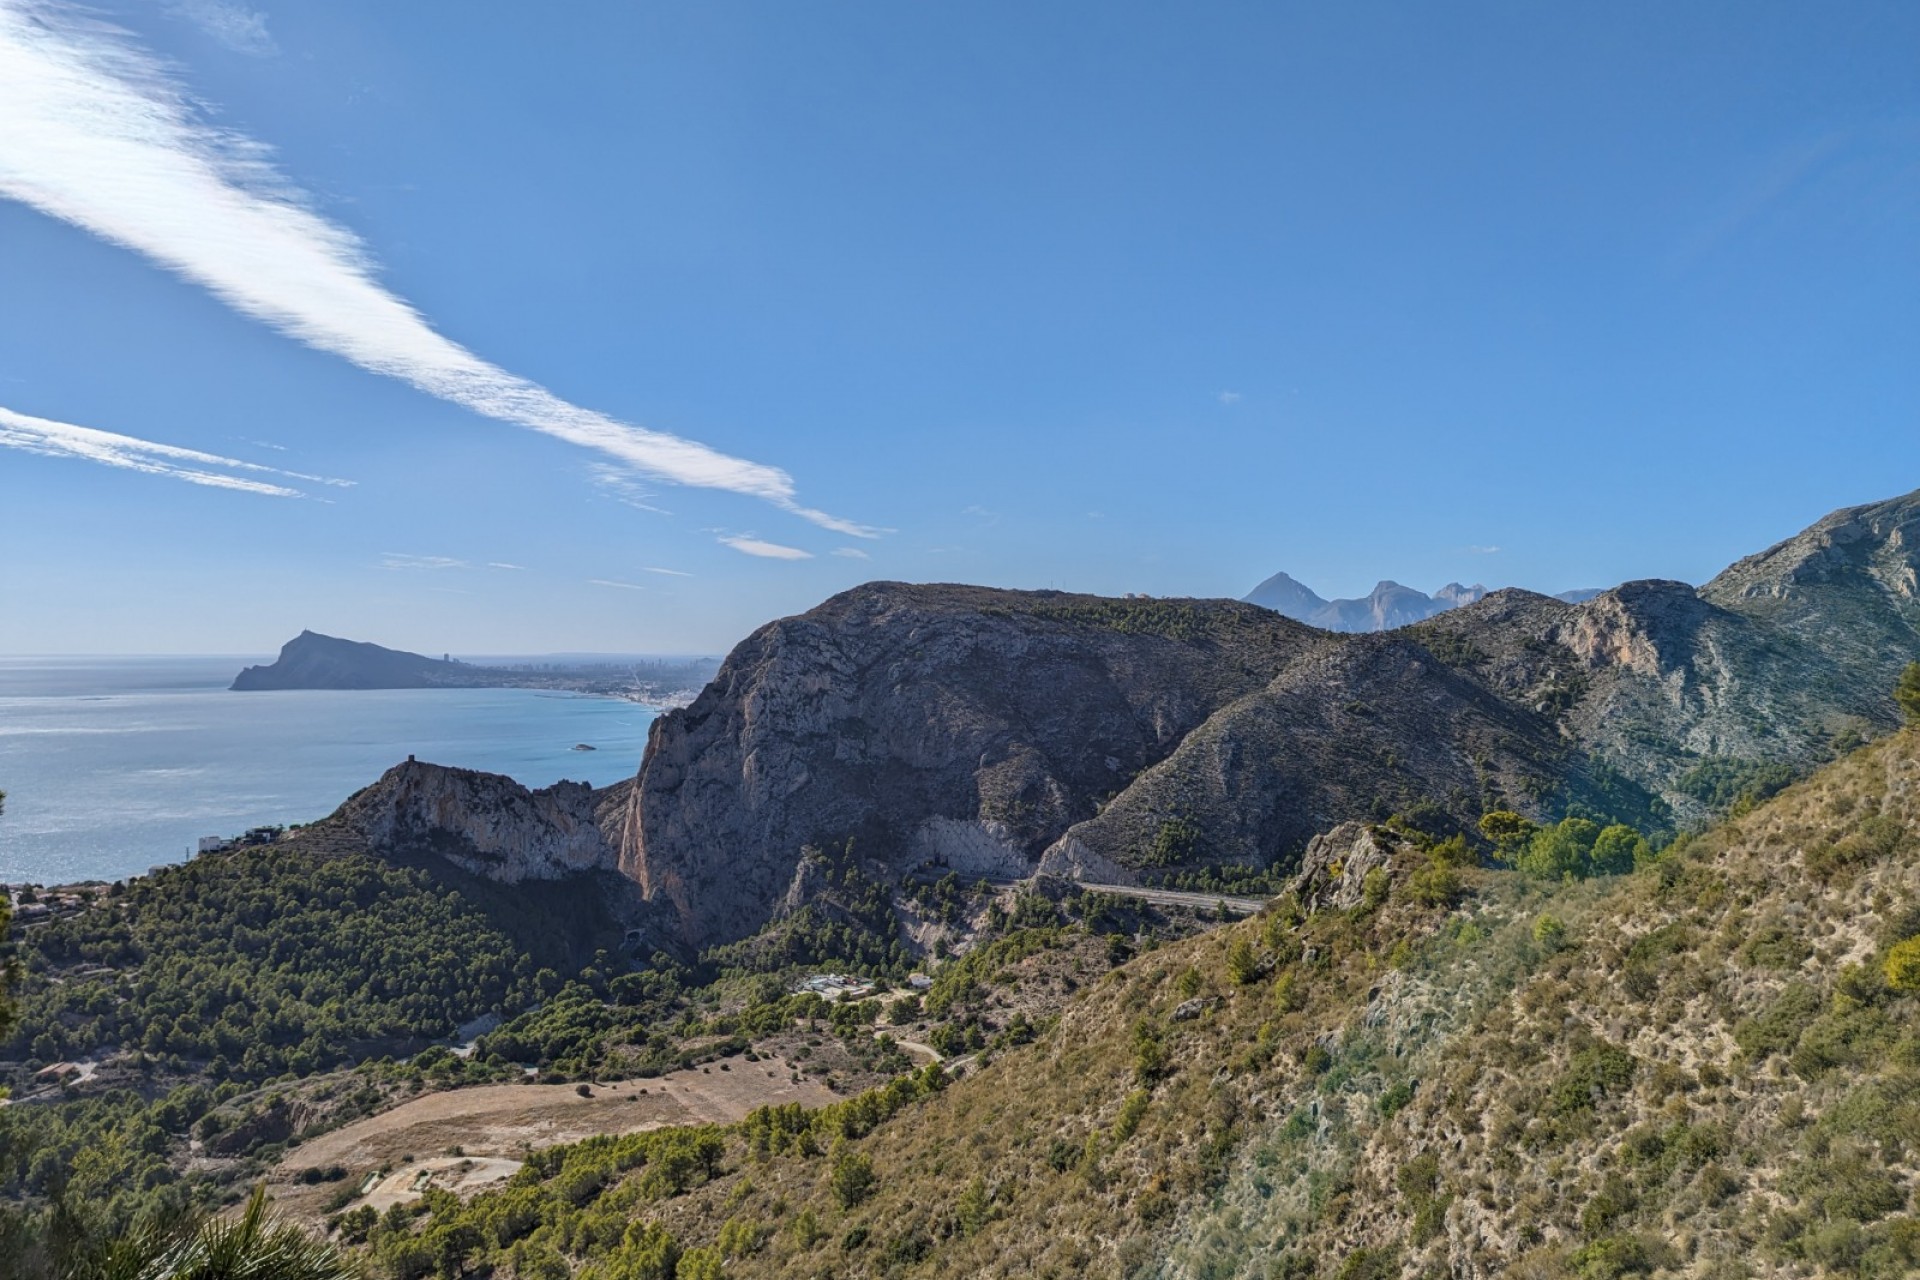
x,y
490,825
936,725
1333,871
1848,586
997,733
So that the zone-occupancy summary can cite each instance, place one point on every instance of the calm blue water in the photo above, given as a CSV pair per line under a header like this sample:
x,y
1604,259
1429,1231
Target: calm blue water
x,y
112,766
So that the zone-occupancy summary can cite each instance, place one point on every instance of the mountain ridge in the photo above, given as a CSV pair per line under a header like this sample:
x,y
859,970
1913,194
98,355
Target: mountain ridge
x,y
1003,733
1388,606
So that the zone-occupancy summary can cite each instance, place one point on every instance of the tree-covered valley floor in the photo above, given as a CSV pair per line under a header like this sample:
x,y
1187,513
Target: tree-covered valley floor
x,y
289,1015
1411,1064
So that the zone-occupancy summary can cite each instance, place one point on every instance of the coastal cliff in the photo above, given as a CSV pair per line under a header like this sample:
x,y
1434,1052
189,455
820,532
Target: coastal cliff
x,y
487,824
933,726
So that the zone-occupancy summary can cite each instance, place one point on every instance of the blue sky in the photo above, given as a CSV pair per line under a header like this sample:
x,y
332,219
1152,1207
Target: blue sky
x,y
717,309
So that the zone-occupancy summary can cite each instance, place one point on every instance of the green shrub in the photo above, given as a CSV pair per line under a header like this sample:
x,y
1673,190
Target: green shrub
x,y
1778,1028
700,1264
852,1178
1370,1264
1132,1111
1903,963
1597,1071
1243,964
1374,888
1907,692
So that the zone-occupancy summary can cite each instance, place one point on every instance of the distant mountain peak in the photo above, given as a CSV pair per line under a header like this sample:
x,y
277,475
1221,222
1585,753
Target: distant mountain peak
x,y
1390,604
314,661
1286,595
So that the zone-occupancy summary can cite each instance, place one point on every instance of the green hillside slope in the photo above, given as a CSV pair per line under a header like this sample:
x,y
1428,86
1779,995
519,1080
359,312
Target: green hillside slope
x,y
1708,1067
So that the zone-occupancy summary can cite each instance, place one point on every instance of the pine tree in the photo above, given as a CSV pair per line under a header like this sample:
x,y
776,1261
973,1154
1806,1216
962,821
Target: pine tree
x,y
1907,692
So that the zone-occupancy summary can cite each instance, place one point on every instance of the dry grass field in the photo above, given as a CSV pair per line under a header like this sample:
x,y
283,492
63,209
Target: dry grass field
x,y
470,1138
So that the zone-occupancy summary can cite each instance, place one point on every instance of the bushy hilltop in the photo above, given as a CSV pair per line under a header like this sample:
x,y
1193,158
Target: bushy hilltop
x,y
1408,1066
996,732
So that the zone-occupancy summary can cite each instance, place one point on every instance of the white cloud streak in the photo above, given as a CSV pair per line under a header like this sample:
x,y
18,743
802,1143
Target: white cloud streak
x,y
765,550
670,573
614,582
405,562
851,553
65,440
625,488
94,132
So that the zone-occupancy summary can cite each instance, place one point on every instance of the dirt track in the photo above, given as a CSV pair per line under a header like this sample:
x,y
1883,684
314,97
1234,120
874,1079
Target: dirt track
x,y
497,1124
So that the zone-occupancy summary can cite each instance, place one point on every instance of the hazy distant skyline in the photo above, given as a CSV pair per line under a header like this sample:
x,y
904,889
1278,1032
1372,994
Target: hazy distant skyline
x,y
497,329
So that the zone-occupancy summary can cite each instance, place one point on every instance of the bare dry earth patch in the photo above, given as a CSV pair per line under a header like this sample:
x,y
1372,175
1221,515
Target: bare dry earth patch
x,y
467,1139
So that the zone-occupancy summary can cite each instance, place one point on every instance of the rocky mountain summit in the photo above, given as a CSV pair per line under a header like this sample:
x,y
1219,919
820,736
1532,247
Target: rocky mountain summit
x,y
999,733
1387,606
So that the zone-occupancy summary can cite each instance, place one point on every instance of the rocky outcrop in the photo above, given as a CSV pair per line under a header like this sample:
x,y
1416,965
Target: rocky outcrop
x,y
1369,728
1333,871
1849,586
487,824
898,716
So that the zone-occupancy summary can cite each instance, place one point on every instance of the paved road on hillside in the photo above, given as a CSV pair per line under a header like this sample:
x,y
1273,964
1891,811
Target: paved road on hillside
x,y
1159,897
1179,898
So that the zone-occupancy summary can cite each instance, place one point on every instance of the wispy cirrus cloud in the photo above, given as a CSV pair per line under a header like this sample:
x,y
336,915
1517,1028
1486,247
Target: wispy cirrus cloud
x,y
95,132
404,562
65,440
851,553
501,564
241,29
669,573
748,545
615,582
625,488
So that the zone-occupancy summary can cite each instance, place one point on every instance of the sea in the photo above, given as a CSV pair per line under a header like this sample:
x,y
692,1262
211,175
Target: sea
x,y
113,766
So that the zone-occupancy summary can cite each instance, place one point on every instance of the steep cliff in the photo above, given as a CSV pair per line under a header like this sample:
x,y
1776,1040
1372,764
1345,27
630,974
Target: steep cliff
x,y
929,724
1375,726
1001,732
996,733
487,824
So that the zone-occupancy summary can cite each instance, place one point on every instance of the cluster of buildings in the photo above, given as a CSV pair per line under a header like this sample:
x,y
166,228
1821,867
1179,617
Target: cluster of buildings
x,y
253,835
31,904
